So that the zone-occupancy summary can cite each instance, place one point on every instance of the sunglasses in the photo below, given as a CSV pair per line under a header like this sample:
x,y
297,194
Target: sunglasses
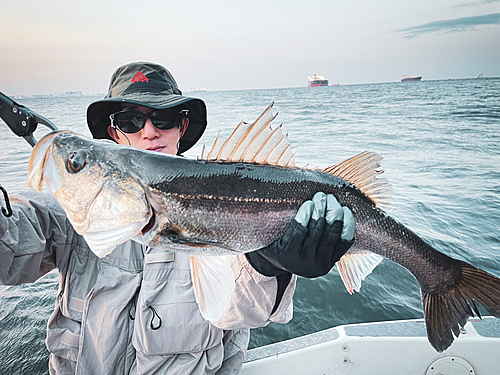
x,y
132,121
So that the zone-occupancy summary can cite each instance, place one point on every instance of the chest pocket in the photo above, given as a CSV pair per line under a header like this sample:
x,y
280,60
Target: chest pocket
x,y
64,325
79,279
168,320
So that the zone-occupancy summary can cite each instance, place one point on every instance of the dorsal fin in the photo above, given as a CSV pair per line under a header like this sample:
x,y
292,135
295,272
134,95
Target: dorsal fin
x,y
362,171
258,143
254,143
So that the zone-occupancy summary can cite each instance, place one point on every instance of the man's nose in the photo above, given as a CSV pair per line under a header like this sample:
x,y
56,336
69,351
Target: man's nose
x,y
149,130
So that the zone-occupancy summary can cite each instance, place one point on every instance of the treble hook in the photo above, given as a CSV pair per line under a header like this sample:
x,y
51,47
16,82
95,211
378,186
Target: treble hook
x,y
6,212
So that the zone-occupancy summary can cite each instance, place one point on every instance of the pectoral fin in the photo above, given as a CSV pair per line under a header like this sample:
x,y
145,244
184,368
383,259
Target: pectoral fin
x,y
103,242
213,281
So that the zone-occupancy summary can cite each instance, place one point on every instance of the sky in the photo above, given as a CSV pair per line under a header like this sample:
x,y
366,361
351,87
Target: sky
x,y
50,47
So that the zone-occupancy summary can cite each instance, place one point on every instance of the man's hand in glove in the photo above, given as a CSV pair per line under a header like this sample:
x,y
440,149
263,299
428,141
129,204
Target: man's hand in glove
x,y
315,240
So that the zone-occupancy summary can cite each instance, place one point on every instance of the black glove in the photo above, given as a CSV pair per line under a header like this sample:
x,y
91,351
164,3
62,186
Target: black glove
x,y
313,250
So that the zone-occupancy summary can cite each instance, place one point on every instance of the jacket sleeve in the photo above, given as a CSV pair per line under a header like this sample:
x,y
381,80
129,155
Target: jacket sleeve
x,y
34,239
257,299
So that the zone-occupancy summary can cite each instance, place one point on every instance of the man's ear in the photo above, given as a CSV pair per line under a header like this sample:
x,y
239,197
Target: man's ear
x,y
184,125
113,134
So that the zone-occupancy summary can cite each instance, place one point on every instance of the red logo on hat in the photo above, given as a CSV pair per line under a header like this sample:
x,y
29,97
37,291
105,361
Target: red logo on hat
x,y
139,77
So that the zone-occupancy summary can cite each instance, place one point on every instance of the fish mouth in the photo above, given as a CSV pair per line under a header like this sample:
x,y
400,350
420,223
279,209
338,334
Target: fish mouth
x,y
38,160
151,223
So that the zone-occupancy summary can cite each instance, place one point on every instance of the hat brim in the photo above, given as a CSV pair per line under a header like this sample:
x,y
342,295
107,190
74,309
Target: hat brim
x,y
98,114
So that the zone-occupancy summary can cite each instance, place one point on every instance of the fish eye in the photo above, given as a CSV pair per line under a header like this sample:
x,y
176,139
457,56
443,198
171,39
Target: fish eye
x,y
76,162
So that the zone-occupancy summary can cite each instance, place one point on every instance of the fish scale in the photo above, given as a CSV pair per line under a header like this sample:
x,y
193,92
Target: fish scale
x,y
243,211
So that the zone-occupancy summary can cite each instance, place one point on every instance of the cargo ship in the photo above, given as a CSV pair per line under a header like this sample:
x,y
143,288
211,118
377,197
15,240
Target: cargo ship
x,y
411,78
315,81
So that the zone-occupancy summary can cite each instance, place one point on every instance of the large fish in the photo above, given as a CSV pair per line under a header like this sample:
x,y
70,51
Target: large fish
x,y
240,198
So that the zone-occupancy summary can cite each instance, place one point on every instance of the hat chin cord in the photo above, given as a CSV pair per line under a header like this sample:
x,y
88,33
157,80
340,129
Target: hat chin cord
x,y
124,134
181,134
179,141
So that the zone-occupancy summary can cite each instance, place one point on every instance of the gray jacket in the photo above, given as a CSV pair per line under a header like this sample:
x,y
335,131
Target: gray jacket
x,y
133,311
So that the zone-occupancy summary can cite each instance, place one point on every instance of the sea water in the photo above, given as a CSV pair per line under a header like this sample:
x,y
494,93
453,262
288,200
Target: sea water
x,y
440,141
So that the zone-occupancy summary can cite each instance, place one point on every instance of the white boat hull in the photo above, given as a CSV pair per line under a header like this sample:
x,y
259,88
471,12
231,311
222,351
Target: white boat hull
x,y
396,347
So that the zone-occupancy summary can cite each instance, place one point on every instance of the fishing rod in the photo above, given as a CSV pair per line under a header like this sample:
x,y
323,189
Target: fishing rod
x,y
23,122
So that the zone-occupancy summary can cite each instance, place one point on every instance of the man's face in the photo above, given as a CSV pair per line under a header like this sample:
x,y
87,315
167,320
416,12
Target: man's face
x,y
150,137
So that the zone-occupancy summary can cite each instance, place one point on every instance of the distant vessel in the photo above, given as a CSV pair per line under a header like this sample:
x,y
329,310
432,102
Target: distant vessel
x,y
315,81
480,75
411,78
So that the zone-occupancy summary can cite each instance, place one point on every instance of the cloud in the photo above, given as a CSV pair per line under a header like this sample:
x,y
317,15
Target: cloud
x,y
479,2
458,24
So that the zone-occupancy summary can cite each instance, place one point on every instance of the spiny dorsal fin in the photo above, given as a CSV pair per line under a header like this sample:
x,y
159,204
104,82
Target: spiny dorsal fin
x,y
362,171
258,143
254,143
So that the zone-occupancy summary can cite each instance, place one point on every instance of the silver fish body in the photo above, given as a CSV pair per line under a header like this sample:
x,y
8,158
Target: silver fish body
x,y
230,207
224,207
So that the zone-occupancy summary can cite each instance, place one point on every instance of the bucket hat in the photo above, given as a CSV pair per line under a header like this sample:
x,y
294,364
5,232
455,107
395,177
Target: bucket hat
x,y
149,85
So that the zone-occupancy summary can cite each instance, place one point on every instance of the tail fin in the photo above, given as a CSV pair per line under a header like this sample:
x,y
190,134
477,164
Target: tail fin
x,y
446,314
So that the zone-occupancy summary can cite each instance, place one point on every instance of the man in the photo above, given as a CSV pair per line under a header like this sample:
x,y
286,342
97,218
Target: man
x,y
134,311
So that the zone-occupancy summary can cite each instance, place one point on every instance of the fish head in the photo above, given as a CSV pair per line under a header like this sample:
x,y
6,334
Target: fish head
x,y
103,200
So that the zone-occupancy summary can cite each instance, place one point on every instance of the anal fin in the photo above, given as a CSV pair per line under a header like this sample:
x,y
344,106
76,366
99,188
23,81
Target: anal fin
x,y
355,266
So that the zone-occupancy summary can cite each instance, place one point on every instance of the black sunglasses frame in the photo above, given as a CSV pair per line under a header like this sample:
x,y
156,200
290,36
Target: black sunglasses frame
x,y
157,121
